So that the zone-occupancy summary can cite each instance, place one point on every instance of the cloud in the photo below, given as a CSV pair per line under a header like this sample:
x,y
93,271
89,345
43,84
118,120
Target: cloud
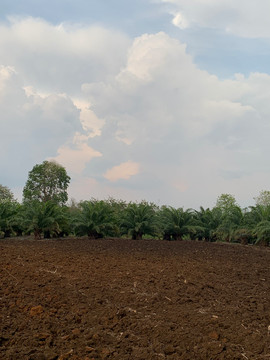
x,y
241,18
42,69
161,89
135,120
180,21
190,131
90,122
75,160
122,171
60,57
31,126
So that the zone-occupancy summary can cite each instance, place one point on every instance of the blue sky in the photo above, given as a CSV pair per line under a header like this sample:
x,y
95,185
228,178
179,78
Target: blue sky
x,y
163,100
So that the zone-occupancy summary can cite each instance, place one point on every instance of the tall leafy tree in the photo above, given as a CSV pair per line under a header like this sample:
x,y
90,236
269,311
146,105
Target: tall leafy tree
x,y
47,182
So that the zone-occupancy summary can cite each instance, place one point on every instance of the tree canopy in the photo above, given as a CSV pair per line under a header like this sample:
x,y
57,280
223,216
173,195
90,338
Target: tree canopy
x,y
43,213
225,202
5,194
139,219
47,182
263,198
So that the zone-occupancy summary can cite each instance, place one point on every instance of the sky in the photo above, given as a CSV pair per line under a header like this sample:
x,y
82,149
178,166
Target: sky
x,y
160,100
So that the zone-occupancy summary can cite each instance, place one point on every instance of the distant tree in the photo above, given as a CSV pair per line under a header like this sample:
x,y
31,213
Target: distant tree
x,y
231,218
6,194
262,233
177,223
8,212
117,207
139,219
231,221
226,202
208,220
47,182
17,222
257,220
43,218
95,219
263,198
9,209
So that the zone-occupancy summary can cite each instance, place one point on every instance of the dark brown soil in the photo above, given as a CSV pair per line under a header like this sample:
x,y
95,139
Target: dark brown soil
x,y
121,299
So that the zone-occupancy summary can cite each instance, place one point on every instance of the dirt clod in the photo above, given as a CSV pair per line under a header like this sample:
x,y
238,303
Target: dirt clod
x,y
36,310
214,335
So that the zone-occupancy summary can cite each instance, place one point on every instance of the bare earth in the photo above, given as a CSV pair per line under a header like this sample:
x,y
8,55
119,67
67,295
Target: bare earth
x,y
121,299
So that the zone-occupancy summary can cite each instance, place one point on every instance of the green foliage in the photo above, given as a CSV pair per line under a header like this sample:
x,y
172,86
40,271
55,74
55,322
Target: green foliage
x,y
263,199
5,194
258,220
95,219
177,223
117,207
44,214
139,219
262,232
225,202
207,221
231,220
8,213
255,215
43,218
47,182
243,235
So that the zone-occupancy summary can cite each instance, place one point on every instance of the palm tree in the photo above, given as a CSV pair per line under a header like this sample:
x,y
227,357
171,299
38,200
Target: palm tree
x,y
256,221
208,221
262,232
260,213
177,223
139,219
95,219
117,207
63,218
231,221
42,218
8,212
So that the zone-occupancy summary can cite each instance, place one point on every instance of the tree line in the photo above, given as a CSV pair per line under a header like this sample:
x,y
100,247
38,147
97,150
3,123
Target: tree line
x,y
44,213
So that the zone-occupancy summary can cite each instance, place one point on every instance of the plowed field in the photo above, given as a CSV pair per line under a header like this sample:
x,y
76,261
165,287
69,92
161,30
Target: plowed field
x,y
86,299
